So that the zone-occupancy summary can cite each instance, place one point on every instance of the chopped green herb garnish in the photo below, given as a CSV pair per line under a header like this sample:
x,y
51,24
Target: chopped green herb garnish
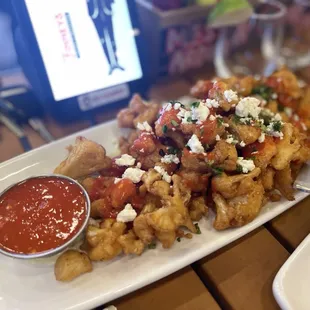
x,y
252,158
179,239
266,118
198,231
207,146
217,170
264,91
165,128
174,123
220,121
195,104
162,153
236,119
239,169
152,245
172,150
277,126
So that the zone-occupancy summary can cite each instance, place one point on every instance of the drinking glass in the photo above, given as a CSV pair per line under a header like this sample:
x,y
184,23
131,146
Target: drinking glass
x,y
252,47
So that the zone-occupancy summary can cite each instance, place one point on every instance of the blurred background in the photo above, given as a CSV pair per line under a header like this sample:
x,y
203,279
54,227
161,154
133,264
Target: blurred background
x,y
144,43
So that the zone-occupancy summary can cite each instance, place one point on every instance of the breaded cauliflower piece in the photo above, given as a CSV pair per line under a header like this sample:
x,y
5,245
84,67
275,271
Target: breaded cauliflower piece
x,y
235,185
287,147
240,210
131,244
197,208
102,242
164,222
85,157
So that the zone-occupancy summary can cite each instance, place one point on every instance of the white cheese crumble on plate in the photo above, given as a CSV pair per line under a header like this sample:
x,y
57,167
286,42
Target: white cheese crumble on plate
x,y
116,180
128,214
133,174
177,105
145,126
200,113
169,159
247,165
165,176
195,145
262,137
230,95
167,106
212,103
125,160
231,140
248,107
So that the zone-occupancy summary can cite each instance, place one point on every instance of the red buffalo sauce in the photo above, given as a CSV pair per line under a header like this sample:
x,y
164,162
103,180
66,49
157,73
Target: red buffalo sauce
x,y
40,214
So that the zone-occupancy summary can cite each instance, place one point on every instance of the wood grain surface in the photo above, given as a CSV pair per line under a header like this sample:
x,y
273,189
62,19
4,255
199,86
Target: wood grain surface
x,y
181,291
241,274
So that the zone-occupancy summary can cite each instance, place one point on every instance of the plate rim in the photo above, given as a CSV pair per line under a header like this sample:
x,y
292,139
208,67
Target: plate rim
x,y
277,285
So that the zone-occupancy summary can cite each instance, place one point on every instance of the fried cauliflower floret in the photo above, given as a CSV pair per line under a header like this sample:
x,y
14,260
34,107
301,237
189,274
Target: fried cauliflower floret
x,y
267,178
131,244
235,185
284,182
201,89
197,208
243,85
155,185
194,162
240,210
102,242
247,134
146,149
138,111
287,147
164,222
268,149
195,181
217,92
142,229
71,264
125,143
85,157
303,154
304,105
125,118
285,83
224,156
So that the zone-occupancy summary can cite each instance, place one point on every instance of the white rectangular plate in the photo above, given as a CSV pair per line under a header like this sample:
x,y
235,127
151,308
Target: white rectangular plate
x,y
31,285
291,284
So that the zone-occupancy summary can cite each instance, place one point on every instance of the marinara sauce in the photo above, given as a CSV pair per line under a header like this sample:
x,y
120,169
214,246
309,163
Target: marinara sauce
x,y
41,214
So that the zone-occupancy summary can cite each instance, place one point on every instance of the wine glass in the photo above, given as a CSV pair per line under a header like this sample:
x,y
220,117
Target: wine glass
x,y
252,47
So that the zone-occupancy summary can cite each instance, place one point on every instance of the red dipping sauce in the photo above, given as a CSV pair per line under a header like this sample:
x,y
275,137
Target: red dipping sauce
x,y
41,214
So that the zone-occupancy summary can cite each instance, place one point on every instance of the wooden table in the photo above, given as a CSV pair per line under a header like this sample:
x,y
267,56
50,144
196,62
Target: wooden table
x,y
239,276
